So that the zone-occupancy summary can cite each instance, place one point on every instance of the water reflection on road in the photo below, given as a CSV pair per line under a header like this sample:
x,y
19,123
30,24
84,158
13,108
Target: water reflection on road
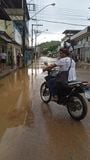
x,y
16,96
32,130
69,137
14,99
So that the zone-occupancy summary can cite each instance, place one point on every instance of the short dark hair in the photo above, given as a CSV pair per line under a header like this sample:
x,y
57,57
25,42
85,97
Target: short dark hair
x,y
65,51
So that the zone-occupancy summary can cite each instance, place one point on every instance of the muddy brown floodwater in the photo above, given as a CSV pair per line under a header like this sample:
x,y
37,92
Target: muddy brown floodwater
x,y
33,130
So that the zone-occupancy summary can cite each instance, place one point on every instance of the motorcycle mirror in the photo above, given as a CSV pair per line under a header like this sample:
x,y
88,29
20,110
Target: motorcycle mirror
x,y
46,63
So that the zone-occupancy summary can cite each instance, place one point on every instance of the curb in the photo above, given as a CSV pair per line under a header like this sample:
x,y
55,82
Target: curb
x,y
7,72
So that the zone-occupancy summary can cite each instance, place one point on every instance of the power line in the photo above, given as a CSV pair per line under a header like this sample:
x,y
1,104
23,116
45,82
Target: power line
x,y
66,17
66,14
69,10
73,24
72,9
69,14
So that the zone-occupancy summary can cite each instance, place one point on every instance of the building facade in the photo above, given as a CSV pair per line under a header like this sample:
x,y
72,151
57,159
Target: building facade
x,y
82,44
14,29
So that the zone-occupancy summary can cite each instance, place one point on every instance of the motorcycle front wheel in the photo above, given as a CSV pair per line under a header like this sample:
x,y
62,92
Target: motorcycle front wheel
x,y
45,93
77,107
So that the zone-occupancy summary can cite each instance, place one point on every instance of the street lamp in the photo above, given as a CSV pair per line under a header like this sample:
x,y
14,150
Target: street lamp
x,y
89,18
52,4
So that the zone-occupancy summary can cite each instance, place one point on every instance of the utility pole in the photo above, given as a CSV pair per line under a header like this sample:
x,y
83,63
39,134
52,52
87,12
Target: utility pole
x,y
35,40
35,43
32,32
23,33
32,36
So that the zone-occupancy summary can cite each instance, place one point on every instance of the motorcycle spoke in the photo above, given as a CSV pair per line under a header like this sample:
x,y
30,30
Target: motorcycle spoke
x,y
75,107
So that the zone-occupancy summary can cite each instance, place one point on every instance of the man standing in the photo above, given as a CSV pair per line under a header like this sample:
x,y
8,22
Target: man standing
x,y
18,60
3,60
0,63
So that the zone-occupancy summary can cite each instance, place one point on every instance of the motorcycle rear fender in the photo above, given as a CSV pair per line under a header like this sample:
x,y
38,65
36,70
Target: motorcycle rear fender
x,y
76,90
79,90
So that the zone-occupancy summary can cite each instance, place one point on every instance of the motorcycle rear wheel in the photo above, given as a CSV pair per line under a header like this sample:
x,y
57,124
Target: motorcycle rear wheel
x,y
45,93
77,107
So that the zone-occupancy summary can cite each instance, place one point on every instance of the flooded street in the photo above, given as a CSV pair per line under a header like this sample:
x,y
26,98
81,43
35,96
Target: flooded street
x,y
32,130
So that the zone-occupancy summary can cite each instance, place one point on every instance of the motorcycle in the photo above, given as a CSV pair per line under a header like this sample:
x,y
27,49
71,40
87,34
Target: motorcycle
x,y
74,98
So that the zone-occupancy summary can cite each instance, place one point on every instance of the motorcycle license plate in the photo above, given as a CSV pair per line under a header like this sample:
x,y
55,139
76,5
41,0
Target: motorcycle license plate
x,y
87,93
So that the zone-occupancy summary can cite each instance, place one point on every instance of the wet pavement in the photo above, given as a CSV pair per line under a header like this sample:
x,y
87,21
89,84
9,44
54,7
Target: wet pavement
x,y
7,71
32,130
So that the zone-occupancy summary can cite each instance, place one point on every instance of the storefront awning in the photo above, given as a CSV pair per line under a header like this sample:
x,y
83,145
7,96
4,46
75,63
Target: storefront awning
x,y
5,37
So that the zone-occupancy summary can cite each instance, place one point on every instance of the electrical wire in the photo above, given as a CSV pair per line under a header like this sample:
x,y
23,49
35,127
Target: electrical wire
x,y
66,17
73,24
67,12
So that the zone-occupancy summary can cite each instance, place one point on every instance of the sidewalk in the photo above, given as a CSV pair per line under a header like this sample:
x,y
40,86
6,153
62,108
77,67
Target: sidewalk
x,y
83,65
7,71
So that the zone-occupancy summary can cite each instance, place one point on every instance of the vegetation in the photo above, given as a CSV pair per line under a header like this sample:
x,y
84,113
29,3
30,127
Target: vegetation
x,y
49,47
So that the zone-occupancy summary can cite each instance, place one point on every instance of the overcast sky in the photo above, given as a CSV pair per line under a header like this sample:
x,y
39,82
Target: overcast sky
x,y
66,14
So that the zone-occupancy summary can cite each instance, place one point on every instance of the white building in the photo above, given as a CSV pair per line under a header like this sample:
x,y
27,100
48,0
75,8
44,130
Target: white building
x,y
82,44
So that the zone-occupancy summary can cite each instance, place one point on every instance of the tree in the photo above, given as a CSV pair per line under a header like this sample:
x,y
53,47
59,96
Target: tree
x,y
49,46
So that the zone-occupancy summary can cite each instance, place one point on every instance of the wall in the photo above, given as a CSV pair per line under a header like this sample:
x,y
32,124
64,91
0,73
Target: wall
x,y
2,25
17,36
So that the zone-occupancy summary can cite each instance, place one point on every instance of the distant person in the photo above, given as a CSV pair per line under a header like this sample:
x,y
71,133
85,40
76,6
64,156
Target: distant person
x,y
0,63
11,61
76,60
3,60
18,59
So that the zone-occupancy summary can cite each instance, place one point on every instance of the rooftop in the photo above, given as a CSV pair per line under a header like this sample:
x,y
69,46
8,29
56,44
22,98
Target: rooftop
x,y
71,31
10,5
5,37
3,14
82,32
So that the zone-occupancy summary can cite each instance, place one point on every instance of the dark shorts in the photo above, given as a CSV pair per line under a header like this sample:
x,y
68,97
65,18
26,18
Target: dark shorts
x,y
3,60
61,87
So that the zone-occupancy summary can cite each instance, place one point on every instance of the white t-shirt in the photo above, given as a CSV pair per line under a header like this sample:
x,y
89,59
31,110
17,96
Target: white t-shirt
x,y
64,64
